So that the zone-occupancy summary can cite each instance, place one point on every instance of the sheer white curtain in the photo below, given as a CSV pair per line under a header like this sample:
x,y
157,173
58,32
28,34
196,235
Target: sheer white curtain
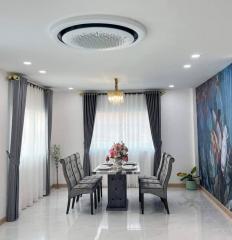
x,y
129,123
34,149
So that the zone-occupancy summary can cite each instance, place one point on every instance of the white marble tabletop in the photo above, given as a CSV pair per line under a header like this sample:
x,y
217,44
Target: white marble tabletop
x,y
116,170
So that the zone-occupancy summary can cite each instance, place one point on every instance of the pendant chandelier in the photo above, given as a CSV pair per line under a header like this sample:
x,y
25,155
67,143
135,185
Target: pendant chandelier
x,y
116,96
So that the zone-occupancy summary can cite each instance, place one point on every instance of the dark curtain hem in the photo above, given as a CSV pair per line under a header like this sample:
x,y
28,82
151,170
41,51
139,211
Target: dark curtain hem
x,y
154,113
89,112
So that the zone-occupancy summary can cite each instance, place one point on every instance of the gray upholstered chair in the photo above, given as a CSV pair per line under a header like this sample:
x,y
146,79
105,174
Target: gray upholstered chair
x,y
156,178
87,178
78,172
145,178
74,187
158,189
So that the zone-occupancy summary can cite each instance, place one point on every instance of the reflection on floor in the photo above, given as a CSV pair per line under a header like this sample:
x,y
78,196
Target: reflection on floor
x,y
192,217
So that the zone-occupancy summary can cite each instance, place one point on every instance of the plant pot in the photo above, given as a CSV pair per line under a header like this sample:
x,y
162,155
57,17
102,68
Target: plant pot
x,y
191,185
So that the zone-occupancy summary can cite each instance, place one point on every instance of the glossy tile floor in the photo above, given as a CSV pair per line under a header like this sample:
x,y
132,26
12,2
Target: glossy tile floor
x,y
192,217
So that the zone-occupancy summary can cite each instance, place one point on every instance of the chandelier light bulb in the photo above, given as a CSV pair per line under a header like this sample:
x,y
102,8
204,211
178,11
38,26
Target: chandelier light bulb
x,y
116,97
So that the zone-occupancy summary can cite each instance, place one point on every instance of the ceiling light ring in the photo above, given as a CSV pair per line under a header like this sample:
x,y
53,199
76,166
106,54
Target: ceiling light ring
x,y
88,25
134,30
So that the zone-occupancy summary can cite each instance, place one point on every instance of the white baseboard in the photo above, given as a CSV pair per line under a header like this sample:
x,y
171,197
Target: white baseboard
x,y
216,202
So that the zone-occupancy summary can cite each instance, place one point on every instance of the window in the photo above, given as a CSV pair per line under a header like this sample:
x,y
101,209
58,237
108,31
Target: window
x,y
127,122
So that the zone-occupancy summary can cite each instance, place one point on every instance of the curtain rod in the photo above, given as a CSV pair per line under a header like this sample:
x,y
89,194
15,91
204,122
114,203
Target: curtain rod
x,y
35,85
17,77
162,92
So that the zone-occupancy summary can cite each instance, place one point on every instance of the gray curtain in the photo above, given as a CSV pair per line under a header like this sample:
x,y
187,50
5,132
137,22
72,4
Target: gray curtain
x,y
154,113
48,96
89,112
19,88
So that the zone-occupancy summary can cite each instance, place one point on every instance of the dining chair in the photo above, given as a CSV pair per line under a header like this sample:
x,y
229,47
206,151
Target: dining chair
x,y
158,189
157,176
88,178
153,179
74,187
78,172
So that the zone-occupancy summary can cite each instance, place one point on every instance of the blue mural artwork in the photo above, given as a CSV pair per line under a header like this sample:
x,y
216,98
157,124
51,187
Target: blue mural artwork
x,y
214,122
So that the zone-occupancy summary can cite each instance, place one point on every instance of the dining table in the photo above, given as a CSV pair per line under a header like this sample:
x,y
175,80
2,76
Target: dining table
x,y
117,183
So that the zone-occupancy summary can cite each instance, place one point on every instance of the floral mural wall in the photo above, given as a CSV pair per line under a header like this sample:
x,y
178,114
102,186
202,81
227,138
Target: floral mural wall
x,y
214,121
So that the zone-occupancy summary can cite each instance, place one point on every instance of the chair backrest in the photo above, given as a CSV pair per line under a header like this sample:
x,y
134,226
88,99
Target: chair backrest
x,y
166,170
79,165
161,165
75,169
68,172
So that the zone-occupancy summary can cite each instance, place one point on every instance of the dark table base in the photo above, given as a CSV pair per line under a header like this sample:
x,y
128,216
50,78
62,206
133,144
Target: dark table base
x,y
117,193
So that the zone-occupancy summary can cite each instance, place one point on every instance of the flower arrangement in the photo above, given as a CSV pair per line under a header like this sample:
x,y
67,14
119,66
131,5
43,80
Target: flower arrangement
x,y
118,152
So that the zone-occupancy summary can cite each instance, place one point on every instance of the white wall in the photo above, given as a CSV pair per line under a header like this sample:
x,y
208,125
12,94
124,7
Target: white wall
x,y
67,128
3,141
177,119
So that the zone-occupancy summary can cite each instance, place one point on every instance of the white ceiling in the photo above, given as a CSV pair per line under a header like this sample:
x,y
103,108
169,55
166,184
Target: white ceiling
x,y
175,30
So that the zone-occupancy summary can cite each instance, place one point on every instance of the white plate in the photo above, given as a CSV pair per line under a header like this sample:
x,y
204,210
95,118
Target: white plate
x,y
107,164
104,167
129,167
130,163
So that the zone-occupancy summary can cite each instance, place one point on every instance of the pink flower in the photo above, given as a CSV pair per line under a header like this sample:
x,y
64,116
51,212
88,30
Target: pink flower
x,y
125,158
112,153
118,150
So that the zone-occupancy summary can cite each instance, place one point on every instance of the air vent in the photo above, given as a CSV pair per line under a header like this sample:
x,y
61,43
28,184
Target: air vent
x,y
98,32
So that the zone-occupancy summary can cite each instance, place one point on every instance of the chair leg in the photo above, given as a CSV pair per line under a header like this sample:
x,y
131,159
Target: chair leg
x,y
98,193
101,188
77,198
142,202
95,199
68,206
165,202
139,195
91,202
73,202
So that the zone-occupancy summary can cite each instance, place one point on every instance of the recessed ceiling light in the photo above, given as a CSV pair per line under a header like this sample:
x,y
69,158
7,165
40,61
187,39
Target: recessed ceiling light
x,y
195,55
171,86
27,63
187,66
42,71
70,88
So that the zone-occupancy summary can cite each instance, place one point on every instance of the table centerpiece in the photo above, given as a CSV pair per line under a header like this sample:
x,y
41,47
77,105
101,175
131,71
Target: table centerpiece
x,y
118,153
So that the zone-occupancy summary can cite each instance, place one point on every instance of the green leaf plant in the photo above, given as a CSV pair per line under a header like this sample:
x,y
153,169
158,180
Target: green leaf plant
x,y
188,176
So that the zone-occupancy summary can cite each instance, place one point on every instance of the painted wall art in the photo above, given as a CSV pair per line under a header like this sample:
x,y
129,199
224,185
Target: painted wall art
x,y
214,122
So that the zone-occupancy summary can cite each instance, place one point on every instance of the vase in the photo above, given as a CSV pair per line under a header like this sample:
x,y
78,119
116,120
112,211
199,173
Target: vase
x,y
118,162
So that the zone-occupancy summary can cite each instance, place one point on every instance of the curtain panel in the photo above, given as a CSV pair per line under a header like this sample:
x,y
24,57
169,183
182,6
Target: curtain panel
x,y
33,157
19,89
89,111
48,98
127,122
154,112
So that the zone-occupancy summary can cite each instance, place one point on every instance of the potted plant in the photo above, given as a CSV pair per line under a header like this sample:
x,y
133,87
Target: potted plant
x,y
189,178
55,153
